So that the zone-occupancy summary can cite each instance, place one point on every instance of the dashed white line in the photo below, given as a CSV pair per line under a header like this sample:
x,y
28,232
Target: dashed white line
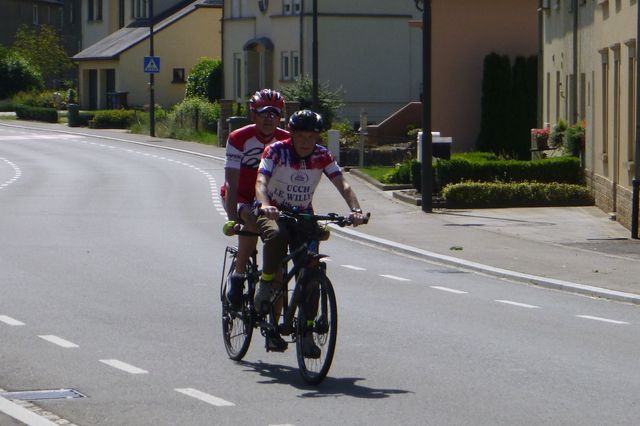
x,y
205,397
518,304
602,319
123,366
447,289
393,277
355,268
10,321
58,341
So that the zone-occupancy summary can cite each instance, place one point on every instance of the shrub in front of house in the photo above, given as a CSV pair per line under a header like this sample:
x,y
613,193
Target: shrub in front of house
x,y
112,119
25,112
559,169
515,194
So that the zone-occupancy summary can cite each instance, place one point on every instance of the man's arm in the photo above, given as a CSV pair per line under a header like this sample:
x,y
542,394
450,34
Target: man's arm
x,y
232,177
262,195
350,197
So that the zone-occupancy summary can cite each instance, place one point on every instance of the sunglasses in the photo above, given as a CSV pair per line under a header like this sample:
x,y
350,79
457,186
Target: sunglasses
x,y
270,114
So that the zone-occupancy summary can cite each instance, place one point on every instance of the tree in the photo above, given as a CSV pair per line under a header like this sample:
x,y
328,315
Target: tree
x,y
17,74
330,101
43,48
205,80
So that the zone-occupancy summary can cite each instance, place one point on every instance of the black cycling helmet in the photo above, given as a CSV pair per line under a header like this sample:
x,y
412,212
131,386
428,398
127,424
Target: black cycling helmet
x,y
306,120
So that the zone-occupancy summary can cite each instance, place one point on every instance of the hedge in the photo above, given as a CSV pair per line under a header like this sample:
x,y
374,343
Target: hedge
x,y
560,169
520,194
23,112
112,119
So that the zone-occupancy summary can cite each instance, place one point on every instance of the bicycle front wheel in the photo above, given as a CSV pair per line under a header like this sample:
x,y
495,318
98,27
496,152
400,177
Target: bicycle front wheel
x,y
237,327
316,328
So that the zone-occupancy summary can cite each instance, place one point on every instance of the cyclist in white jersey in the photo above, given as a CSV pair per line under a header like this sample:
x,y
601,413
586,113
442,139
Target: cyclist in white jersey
x,y
288,175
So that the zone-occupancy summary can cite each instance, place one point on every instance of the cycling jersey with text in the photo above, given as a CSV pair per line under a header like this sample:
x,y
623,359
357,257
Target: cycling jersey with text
x,y
293,180
244,150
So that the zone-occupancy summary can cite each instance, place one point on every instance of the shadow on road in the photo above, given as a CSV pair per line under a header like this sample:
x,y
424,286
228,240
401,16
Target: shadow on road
x,y
331,386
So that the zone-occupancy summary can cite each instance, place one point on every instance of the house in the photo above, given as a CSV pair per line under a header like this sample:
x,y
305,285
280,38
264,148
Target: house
x,y
372,49
111,70
364,47
589,74
63,15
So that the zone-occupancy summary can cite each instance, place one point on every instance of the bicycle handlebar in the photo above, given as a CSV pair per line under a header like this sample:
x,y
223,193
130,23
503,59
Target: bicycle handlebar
x,y
339,220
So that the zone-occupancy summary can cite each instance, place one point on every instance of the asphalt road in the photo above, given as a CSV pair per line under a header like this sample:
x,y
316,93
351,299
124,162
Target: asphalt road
x,y
110,261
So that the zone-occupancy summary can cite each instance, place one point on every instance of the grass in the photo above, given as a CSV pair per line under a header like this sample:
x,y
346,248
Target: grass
x,y
163,131
376,172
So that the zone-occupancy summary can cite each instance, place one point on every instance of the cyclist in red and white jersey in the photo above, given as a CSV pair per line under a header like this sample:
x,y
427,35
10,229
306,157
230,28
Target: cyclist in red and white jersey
x,y
243,153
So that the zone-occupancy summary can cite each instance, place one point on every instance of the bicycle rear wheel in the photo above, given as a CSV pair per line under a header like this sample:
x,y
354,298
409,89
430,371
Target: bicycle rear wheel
x,y
237,327
321,324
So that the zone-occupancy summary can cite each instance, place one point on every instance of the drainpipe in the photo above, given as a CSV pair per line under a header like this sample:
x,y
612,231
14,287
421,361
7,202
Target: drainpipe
x,y
540,64
636,177
574,82
301,49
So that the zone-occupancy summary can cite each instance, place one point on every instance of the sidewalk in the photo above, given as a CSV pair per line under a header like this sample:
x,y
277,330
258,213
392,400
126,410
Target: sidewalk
x,y
575,249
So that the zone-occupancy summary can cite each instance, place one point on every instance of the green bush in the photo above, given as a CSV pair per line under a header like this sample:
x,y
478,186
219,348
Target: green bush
x,y
329,101
458,169
518,194
205,80
84,117
25,112
17,74
195,114
44,99
574,137
112,119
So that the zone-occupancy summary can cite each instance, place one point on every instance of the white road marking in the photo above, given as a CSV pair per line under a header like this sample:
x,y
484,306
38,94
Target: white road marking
x,y
447,289
521,305
355,268
23,415
16,173
58,341
37,136
10,321
393,277
205,397
123,366
602,319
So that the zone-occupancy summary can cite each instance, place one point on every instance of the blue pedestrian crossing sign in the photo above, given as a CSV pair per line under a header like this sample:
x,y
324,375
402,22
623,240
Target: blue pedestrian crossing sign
x,y
152,64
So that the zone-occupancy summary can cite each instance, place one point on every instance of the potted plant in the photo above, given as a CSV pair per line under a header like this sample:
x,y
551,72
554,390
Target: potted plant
x,y
540,138
557,135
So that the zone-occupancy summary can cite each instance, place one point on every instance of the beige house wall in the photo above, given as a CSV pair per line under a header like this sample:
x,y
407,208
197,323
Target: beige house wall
x,y
177,48
606,91
464,32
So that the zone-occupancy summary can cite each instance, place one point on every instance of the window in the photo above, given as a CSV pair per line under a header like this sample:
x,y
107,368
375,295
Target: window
x,y
90,14
139,8
178,75
295,65
61,17
297,7
99,10
287,7
36,19
285,67
237,76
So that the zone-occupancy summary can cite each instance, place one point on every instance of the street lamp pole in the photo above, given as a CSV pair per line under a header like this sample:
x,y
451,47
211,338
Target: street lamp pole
x,y
427,142
152,91
314,48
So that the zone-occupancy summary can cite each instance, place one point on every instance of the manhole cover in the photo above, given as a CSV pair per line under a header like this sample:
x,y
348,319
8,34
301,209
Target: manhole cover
x,y
38,395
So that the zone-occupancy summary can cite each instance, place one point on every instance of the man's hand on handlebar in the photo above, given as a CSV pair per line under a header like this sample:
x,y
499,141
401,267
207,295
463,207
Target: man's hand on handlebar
x,y
356,217
230,227
270,212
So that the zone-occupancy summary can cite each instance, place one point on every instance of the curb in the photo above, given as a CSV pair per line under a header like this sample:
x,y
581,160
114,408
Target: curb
x,y
550,283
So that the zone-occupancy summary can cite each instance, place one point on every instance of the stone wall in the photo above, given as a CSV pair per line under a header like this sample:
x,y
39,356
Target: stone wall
x,y
602,189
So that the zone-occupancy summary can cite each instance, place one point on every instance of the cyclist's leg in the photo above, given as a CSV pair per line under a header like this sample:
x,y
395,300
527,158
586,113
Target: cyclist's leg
x,y
246,244
275,248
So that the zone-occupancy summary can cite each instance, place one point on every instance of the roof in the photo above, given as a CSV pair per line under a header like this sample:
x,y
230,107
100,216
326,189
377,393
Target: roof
x,y
124,39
